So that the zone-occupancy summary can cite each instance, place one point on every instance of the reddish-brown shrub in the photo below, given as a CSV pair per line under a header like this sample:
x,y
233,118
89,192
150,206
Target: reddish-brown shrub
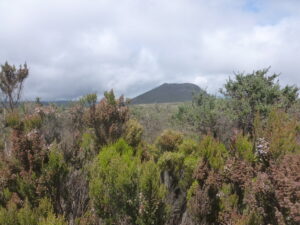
x,y
109,118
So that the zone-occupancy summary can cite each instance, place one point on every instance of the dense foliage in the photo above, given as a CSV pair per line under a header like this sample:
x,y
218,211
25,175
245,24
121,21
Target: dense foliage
x,y
89,163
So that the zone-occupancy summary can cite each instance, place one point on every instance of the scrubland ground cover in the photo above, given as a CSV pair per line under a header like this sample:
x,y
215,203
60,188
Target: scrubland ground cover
x,y
229,160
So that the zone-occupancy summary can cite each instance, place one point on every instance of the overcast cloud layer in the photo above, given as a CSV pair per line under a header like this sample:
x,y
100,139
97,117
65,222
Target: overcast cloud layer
x,y
75,47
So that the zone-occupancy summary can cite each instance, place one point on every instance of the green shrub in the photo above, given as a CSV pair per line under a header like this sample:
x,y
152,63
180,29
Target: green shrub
x,y
25,187
169,140
147,151
181,168
188,147
152,209
9,216
32,122
281,133
26,215
133,132
214,152
192,190
201,114
190,163
87,145
244,149
228,199
51,220
46,215
171,162
12,119
88,100
114,183
5,195
54,173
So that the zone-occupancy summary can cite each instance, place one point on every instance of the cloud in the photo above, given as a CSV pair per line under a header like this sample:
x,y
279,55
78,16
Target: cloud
x,y
78,47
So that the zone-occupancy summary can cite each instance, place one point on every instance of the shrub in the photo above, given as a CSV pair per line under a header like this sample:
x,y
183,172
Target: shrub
x,y
189,147
179,168
9,216
114,183
27,215
87,146
172,162
244,148
213,152
169,141
108,118
133,132
201,114
281,133
52,219
152,209
32,122
12,120
53,174
190,163
228,199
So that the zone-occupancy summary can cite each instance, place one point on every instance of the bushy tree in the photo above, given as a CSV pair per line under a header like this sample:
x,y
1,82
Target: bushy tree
x,y
11,84
201,114
208,115
257,92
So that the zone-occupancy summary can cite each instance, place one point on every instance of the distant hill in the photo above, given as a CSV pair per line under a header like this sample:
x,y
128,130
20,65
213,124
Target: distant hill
x,y
168,93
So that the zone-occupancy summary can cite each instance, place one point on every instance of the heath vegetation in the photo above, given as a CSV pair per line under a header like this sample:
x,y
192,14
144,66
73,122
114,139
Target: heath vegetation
x,y
228,159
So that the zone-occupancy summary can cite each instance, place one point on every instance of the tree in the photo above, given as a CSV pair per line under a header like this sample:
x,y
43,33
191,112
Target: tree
x,y
257,93
11,84
201,113
289,96
208,114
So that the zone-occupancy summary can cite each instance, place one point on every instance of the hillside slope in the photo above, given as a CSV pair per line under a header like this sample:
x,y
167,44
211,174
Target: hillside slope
x,y
166,93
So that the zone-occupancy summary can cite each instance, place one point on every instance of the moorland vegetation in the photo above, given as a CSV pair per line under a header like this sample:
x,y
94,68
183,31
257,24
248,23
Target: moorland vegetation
x,y
233,159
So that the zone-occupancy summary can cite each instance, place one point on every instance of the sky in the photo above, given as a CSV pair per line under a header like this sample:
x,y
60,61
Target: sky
x,y
76,47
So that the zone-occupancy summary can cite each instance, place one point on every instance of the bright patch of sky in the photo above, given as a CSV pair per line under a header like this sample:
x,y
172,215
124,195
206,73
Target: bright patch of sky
x,y
252,6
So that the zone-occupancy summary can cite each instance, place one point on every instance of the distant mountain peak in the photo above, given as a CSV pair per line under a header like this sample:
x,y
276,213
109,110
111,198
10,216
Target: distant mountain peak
x,y
168,92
